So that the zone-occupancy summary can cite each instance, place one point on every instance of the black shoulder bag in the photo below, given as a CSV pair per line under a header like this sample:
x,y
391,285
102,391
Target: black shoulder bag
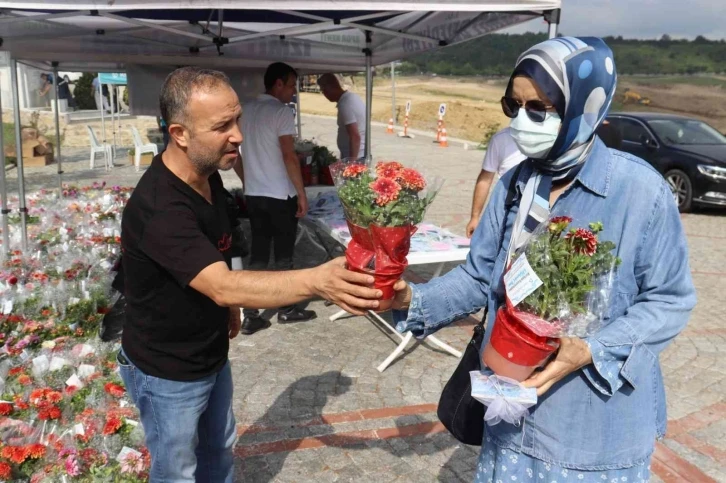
x,y
460,413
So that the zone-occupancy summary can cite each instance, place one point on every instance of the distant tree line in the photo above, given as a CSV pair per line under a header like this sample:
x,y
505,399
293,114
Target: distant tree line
x,y
495,55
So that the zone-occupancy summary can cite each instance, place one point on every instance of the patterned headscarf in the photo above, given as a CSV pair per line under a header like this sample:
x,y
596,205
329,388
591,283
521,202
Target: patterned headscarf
x,y
578,76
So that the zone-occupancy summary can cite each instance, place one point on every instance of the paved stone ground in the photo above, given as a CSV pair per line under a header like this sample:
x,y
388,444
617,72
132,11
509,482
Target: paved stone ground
x,y
312,406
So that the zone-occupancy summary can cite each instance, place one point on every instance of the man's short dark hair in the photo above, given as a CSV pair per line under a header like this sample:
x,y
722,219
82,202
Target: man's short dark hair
x,y
278,71
179,87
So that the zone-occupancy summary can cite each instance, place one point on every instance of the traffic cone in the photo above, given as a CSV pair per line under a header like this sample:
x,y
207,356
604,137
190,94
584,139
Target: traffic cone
x,y
443,143
438,130
405,126
389,130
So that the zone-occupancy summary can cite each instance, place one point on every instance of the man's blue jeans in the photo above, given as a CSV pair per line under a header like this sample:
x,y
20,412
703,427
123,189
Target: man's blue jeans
x,y
189,426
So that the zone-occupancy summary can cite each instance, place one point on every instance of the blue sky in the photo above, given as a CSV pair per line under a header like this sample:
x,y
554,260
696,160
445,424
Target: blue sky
x,y
640,18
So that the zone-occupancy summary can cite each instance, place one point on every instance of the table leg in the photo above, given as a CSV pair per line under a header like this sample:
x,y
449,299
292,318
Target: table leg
x,y
396,352
338,315
439,269
444,346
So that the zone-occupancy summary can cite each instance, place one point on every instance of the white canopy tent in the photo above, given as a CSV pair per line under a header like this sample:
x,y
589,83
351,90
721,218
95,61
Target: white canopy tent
x,y
313,36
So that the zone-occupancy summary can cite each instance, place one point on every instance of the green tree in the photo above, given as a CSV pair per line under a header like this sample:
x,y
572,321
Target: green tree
x,y
83,93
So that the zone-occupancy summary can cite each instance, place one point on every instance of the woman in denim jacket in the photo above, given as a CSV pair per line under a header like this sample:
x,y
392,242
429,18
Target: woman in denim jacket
x,y
602,401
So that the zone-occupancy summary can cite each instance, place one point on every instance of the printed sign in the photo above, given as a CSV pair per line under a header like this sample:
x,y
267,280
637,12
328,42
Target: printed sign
x,y
408,107
442,110
520,281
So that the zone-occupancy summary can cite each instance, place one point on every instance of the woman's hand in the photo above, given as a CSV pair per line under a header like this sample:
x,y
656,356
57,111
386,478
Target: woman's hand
x,y
572,355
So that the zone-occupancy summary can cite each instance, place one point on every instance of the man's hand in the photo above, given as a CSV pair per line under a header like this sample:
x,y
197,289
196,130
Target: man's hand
x,y
402,299
573,354
302,205
471,227
234,322
348,290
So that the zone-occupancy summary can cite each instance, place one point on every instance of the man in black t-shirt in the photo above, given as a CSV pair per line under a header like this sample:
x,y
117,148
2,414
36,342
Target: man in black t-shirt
x,y
183,300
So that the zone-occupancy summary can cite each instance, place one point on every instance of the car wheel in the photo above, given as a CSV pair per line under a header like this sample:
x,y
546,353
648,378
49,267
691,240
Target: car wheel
x,y
681,188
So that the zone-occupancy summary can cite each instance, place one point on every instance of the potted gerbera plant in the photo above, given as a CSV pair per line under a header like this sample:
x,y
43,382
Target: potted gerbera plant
x,y
557,286
382,207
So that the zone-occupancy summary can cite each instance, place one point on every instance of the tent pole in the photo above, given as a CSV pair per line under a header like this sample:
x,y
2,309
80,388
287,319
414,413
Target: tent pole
x,y
103,121
19,155
3,190
393,92
57,130
297,108
114,118
552,17
369,93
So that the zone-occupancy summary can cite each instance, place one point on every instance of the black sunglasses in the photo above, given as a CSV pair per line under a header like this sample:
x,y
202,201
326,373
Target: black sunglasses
x,y
536,110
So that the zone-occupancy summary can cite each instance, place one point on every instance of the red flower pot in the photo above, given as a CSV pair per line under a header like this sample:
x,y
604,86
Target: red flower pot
x,y
325,177
513,350
381,252
307,174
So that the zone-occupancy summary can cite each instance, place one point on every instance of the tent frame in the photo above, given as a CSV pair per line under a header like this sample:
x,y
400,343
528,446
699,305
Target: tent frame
x,y
321,24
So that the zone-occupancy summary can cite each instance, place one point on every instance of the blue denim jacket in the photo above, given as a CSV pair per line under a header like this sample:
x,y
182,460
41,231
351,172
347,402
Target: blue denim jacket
x,y
608,414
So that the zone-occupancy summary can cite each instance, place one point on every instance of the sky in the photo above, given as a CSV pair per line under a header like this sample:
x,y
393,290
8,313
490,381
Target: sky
x,y
639,18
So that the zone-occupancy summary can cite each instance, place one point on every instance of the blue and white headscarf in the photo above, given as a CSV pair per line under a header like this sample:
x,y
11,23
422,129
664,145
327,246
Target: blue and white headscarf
x,y
578,76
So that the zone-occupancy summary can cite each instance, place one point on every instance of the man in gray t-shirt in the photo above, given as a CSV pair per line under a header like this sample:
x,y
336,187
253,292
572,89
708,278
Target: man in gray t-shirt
x,y
351,117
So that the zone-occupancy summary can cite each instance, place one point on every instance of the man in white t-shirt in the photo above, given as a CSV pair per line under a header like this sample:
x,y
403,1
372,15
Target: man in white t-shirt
x,y
273,186
501,156
351,117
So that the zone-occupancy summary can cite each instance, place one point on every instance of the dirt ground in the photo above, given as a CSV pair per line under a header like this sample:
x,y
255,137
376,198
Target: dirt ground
x,y
473,103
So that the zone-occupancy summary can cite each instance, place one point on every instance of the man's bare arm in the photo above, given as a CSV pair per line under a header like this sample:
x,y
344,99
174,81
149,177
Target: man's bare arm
x,y
292,163
481,191
354,136
331,281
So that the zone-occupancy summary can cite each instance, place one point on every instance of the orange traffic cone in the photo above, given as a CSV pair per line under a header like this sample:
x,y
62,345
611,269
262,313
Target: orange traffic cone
x,y
438,129
443,143
389,129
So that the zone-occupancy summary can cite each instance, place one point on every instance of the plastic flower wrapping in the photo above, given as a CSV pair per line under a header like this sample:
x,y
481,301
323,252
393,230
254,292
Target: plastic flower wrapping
x,y
557,285
382,206
64,413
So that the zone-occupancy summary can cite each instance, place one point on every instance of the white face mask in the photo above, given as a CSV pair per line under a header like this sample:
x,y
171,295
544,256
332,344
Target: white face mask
x,y
535,139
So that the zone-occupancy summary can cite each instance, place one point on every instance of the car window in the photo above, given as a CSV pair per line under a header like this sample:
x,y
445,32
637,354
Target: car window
x,y
633,131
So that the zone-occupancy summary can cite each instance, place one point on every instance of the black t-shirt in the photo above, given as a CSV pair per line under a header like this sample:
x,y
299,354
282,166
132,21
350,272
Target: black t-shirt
x,y
169,233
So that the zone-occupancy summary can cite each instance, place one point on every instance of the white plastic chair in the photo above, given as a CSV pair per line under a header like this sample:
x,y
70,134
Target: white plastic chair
x,y
141,148
97,147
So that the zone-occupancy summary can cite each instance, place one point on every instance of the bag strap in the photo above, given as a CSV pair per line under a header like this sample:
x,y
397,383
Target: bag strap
x,y
508,202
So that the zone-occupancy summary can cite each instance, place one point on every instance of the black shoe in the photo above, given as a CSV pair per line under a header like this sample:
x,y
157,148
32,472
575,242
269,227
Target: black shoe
x,y
252,324
296,315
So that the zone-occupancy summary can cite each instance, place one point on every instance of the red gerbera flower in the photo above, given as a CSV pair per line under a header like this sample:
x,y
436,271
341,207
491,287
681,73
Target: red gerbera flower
x,y
5,409
113,424
354,170
16,454
583,241
114,389
388,169
411,179
49,413
36,451
15,371
559,223
386,190
25,380
5,471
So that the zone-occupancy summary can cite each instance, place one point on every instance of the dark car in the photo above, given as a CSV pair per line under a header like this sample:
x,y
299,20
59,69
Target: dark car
x,y
689,153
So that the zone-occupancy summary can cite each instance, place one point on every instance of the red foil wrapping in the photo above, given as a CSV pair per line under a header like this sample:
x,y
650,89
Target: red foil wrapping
x,y
381,251
513,340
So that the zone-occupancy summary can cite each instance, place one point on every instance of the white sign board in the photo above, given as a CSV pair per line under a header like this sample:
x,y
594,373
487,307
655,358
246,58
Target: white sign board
x,y
442,109
408,107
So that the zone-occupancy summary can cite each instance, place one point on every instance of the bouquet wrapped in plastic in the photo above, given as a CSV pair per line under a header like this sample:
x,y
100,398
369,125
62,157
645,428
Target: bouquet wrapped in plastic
x,y
382,206
558,285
